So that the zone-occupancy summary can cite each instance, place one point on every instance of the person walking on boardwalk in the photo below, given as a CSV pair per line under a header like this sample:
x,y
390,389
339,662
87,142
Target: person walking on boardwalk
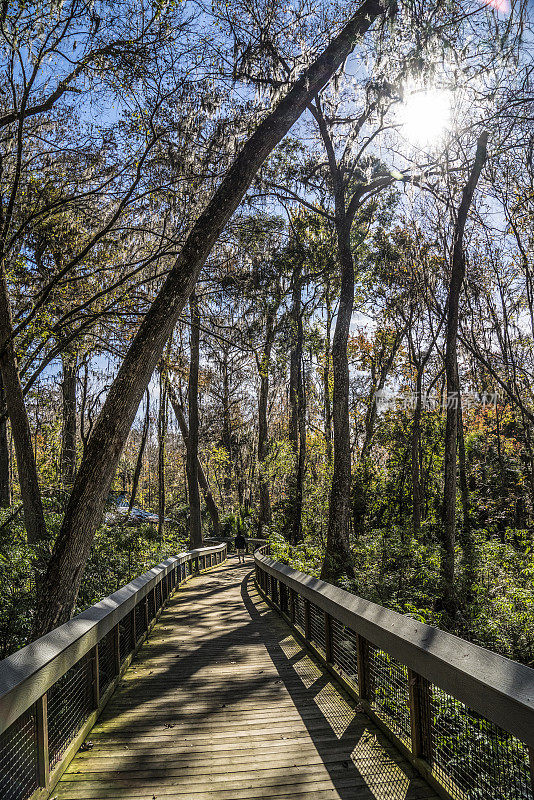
x,y
240,545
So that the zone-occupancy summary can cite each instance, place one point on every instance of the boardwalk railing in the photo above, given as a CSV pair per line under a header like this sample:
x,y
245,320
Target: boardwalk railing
x,y
52,691
463,715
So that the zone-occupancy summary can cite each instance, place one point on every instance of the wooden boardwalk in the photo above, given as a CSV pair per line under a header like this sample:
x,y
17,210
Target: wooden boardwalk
x,y
222,703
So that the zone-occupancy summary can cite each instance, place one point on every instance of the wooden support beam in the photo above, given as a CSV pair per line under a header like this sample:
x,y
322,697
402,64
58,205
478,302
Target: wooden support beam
x,y
328,638
116,649
147,620
134,627
420,715
307,620
96,676
43,759
362,658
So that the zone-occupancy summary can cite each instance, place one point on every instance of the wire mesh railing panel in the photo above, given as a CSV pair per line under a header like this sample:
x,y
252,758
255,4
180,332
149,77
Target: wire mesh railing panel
x,y
317,626
69,704
106,661
140,618
388,691
19,775
299,611
126,637
474,758
345,650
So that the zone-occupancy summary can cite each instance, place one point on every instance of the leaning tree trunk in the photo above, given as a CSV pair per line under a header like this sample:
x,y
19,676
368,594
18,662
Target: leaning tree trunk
x,y
34,520
264,514
211,505
451,372
5,477
59,589
195,519
68,433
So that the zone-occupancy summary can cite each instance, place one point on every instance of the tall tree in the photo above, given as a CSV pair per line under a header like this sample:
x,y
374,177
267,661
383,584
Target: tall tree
x,y
140,454
195,518
162,432
5,477
211,505
451,370
297,403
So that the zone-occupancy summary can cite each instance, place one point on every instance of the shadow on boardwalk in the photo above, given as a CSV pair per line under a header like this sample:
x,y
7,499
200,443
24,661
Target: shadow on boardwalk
x,y
223,704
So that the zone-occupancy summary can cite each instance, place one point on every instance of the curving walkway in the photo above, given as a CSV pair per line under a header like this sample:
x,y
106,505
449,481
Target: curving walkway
x,y
223,703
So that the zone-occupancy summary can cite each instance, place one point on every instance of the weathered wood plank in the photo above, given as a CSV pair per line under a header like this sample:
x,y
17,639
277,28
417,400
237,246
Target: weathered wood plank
x,y
223,704
496,687
26,675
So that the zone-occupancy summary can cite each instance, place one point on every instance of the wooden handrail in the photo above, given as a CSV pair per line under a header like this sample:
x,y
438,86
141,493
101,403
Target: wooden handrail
x,y
25,676
497,688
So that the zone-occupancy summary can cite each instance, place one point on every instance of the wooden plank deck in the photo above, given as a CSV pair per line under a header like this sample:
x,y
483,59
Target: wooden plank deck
x,y
222,703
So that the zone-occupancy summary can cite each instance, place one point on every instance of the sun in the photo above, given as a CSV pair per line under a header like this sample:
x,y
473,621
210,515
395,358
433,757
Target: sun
x,y
425,117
